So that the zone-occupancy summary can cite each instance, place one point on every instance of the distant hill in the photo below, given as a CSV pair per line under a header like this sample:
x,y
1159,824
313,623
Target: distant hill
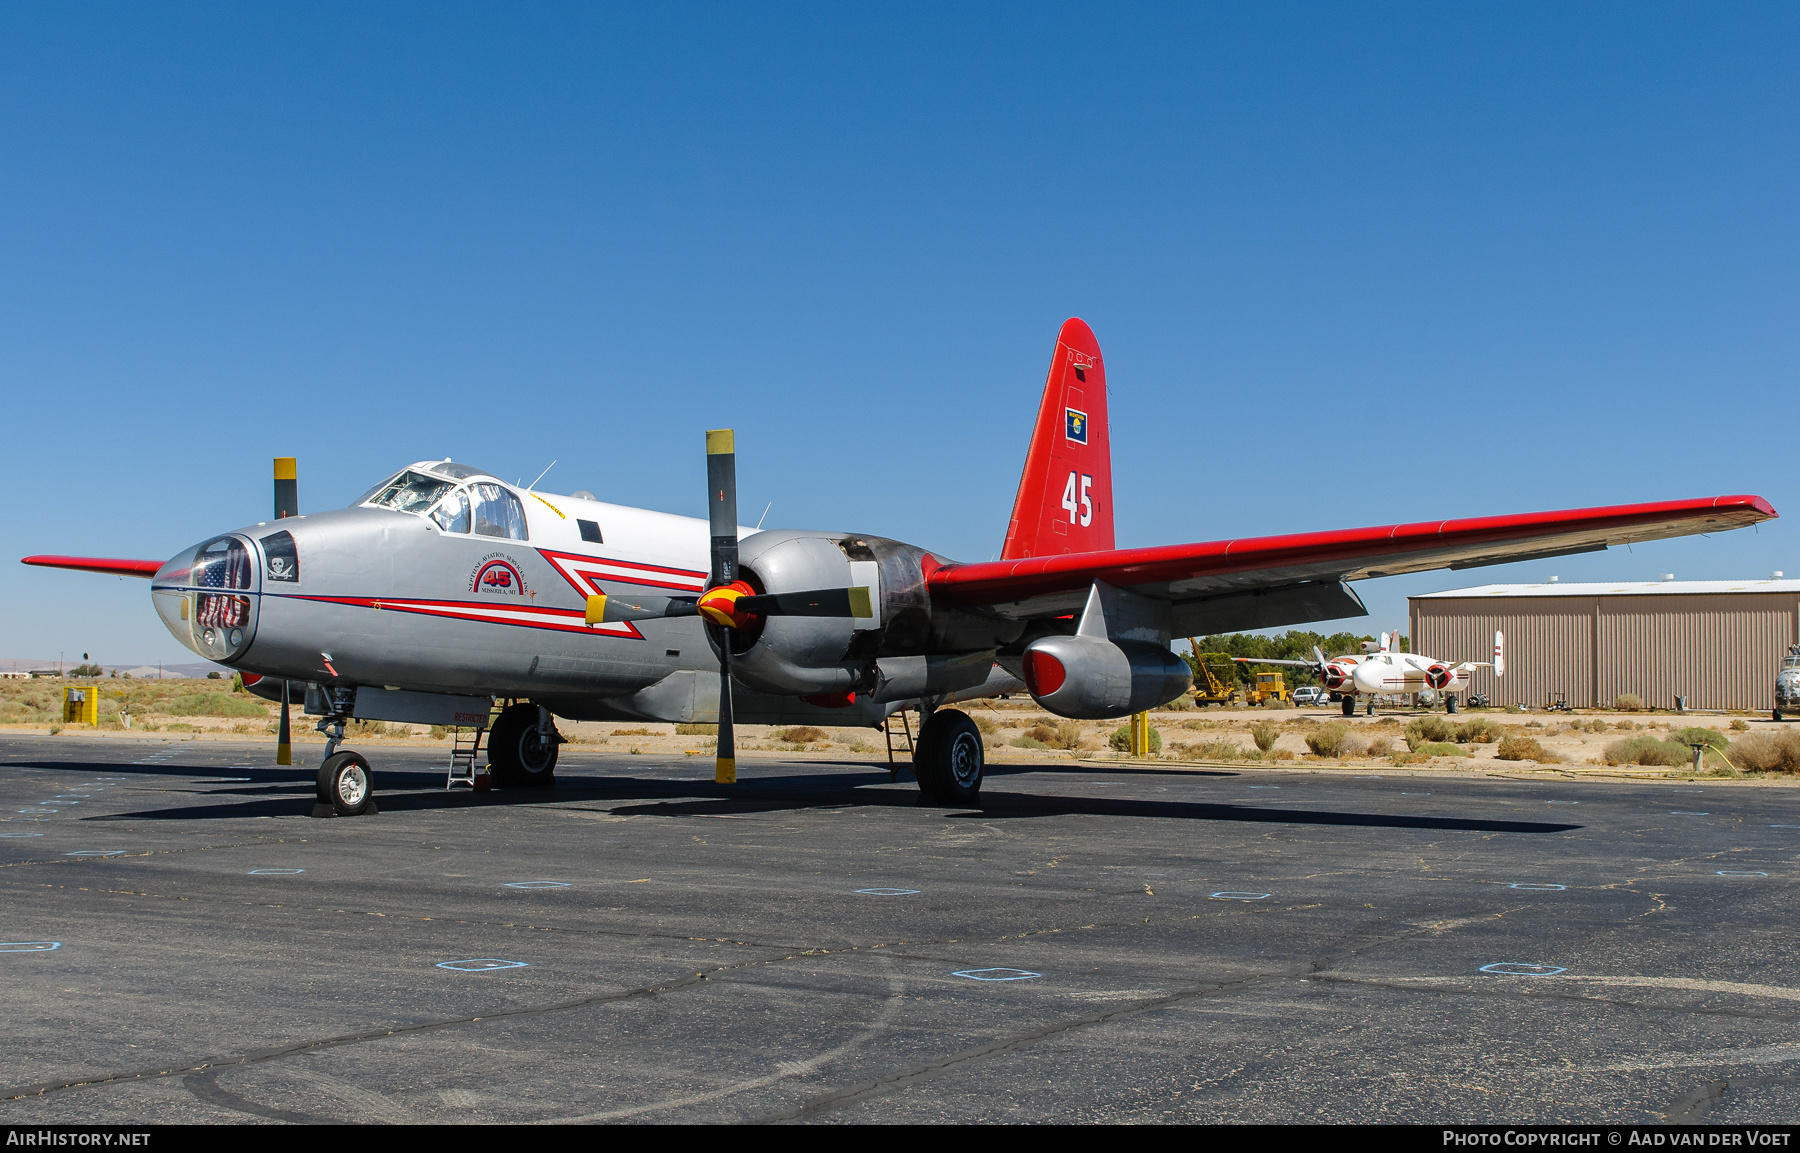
x,y
185,669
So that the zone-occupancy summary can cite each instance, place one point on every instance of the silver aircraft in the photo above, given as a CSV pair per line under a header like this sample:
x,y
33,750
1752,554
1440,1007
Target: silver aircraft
x,y
443,588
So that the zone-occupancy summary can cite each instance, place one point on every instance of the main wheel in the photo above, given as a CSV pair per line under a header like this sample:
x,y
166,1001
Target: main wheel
x,y
1450,703
949,757
1349,705
518,756
347,785
1777,714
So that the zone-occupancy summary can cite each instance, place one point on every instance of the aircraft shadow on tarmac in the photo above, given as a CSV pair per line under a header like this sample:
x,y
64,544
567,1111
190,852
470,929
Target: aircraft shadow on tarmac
x,y
289,792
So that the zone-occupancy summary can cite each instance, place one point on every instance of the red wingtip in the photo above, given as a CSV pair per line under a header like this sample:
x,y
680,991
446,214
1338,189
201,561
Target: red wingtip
x,y
110,565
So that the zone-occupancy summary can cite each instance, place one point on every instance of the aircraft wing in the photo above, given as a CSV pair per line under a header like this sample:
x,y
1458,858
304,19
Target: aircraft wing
x,y
110,565
1269,661
1263,582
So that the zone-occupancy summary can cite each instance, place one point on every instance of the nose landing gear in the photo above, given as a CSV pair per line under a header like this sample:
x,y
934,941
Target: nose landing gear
x,y
346,785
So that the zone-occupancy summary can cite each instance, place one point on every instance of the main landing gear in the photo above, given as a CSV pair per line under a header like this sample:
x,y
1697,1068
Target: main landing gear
x,y
522,747
1349,705
948,758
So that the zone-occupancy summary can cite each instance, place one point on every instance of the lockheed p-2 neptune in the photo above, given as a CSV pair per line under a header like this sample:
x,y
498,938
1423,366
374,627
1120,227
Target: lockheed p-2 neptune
x,y
444,587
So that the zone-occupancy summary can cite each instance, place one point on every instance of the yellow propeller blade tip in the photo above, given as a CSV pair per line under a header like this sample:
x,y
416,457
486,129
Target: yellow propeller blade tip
x,y
287,468
725,771
859,602
719,441
596,609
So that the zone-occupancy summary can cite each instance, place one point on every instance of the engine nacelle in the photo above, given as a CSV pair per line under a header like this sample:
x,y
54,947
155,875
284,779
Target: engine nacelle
x,y
1439,675
1092,679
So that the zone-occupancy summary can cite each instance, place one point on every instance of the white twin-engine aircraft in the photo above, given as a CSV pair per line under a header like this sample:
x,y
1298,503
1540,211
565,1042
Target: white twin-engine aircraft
x,y
1381,671
444,588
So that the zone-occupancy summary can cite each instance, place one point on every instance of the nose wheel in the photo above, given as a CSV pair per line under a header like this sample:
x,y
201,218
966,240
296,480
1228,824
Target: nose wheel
x,y
346,787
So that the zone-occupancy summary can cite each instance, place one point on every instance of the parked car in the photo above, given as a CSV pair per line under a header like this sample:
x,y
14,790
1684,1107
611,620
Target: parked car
x,y
1310,695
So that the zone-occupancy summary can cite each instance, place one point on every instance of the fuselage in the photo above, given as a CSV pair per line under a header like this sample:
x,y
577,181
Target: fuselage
x,y
1379,673
446,580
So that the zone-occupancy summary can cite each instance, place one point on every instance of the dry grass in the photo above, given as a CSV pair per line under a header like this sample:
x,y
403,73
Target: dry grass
x,y
1519,748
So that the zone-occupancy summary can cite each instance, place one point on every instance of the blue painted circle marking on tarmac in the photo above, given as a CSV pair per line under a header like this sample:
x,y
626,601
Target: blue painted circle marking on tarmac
x,y
1686,813
21,834
1236,896
29,946
1000,974
481,965
274,872
1263,786
1784,826
1562,802
1736,873
1521,969
96,853
36,812
889,892
1531,885
537,884
1404,793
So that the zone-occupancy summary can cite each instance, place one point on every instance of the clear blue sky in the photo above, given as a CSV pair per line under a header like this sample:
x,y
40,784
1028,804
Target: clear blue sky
x,y
1350,264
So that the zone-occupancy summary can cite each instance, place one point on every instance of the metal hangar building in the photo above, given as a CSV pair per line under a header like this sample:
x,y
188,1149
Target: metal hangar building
x,y
1716,643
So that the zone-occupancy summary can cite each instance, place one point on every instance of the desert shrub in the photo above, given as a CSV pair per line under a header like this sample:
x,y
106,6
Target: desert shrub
x,y
214,705
631,732
1646,750
696,730
1594,726
1265,735
1328,740
1180,704
1427,730
1197,725
1027,741
214,675
1219,751
1121,740
799,734
1068,735
1441,749
1777,752
361,728
1480,731
1275,703
1628,701
1042,733
1699,735
1381,746
1513,748
988,725
1739,725
1353,747
1627,726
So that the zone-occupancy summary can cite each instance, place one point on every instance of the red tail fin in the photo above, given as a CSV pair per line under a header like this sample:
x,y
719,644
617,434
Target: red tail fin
x,y
1065,494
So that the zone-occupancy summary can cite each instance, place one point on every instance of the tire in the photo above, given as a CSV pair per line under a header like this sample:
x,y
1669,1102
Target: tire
x,y
949,758
1778,714
1349,705
1450,704
517,757
347,784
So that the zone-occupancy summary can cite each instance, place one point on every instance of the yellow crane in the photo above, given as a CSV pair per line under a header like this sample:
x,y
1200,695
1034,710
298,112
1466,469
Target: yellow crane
x,y
1215,679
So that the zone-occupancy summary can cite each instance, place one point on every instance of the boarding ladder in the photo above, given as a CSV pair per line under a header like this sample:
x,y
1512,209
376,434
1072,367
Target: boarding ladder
x,y
465,749
887,729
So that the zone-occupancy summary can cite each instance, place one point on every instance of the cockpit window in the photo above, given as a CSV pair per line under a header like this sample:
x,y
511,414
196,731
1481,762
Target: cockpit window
x,y
452,513
410,492
459,471
498,512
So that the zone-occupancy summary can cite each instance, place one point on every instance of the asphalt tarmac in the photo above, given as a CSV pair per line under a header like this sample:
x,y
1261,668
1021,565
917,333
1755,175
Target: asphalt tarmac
x,y
183,943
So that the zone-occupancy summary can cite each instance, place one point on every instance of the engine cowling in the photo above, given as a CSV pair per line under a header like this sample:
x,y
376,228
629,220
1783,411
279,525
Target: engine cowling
x,y
1336,675
1439,675
1091,678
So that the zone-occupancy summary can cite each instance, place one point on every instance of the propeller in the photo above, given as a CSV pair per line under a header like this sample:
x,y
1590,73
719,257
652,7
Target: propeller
x,y
287,503
721,516
728,604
